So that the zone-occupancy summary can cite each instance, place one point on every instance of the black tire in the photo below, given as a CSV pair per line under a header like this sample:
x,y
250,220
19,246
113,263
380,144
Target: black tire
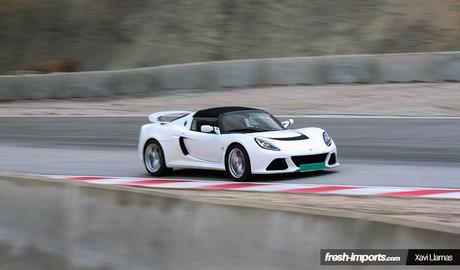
x,y
238,174
154,159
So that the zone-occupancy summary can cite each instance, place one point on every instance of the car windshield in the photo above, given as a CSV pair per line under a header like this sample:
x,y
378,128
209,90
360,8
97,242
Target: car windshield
x,y
249,121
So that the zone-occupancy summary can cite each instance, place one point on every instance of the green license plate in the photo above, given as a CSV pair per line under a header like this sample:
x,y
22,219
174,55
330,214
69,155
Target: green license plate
x,y
312,167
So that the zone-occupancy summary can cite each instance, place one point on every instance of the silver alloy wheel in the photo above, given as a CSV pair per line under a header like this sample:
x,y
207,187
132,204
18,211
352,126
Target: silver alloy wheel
x,y
236,163
152,157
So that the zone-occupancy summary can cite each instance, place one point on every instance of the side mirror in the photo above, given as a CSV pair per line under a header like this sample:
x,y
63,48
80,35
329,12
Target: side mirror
x,y
287,123
207,128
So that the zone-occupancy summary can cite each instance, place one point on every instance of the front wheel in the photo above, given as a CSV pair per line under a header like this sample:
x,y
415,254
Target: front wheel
x,y
237,163
154,159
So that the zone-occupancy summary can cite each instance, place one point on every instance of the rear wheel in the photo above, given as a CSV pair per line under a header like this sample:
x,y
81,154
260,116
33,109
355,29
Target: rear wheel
x,y
237,163
154,159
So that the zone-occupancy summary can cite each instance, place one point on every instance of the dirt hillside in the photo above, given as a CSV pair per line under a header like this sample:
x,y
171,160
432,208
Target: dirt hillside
x,y
47,35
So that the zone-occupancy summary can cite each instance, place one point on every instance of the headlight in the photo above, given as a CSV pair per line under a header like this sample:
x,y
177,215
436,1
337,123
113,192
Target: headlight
x,y
327,139
266,145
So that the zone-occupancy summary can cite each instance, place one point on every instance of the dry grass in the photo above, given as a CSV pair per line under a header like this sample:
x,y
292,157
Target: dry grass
x,y
19,6
125,34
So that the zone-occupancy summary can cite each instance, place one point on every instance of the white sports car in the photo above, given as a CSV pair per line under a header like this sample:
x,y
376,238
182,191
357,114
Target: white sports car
x,y
239,140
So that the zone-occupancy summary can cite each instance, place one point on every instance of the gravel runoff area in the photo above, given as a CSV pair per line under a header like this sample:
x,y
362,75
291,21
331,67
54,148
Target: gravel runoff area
x,y
410,99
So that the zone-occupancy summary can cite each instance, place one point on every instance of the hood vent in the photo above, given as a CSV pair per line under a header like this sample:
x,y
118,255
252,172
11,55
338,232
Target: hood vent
x,y
296,138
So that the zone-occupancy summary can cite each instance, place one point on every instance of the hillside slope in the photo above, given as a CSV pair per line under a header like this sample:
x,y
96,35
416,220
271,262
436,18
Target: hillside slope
x,y
114,34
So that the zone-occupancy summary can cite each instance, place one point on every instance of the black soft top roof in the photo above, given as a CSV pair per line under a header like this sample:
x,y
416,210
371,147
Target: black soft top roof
x,y
215,112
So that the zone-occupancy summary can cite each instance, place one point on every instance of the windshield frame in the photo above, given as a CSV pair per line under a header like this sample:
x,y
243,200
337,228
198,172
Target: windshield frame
x,y
223,131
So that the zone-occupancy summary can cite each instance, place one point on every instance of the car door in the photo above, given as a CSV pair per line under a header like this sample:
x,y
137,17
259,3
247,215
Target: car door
x,y
204,146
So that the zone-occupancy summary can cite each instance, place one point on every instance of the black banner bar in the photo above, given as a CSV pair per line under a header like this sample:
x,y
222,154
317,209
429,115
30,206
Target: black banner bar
x,y
390,257
433,257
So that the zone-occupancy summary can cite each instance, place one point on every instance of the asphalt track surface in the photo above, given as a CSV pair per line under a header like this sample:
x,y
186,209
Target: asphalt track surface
x,y
422,152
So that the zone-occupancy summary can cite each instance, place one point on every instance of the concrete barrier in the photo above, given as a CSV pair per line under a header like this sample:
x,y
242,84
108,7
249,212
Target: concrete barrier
x,y
411,67
55,225
295,71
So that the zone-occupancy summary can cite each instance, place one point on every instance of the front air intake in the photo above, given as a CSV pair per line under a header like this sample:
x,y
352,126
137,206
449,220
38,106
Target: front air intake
x,y
277,165
308,159
332,159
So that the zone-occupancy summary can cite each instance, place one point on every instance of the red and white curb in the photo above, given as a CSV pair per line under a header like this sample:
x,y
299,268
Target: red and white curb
x,y
267,187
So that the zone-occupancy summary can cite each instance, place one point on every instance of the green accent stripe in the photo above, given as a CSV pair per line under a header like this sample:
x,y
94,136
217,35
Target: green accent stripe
x,y
312,167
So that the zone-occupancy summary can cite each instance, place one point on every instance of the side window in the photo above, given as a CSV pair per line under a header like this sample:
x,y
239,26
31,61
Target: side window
x,y
194,125
200,121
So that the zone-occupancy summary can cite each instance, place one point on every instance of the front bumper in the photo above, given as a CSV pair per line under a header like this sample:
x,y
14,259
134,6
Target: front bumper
x,y
264,164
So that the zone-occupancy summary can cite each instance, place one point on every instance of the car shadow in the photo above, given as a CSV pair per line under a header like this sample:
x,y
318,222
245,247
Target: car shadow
x,y
222,176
